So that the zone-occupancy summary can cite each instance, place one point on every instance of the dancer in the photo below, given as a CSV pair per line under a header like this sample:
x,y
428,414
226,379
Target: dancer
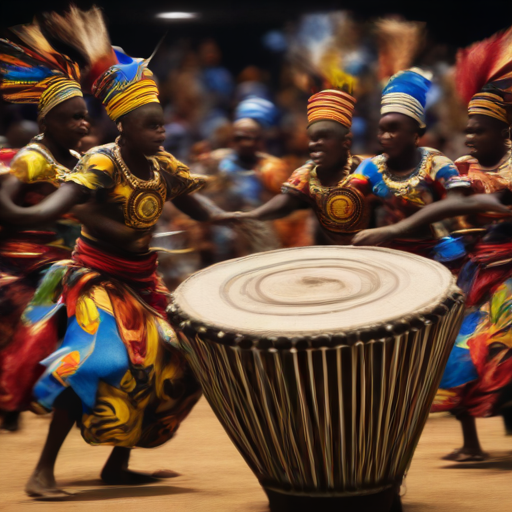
x,y
325,183
119,371
407,177
245,178
32,72
478,376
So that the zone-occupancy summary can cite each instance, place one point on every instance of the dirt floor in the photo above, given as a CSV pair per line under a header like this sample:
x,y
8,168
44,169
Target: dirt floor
x,y
215,478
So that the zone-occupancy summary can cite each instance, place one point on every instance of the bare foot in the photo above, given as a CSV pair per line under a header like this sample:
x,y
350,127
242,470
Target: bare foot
x,y
43,485
466,455
165,473
118,476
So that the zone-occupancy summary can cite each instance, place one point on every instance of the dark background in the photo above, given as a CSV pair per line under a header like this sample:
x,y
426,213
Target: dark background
x,y
238,26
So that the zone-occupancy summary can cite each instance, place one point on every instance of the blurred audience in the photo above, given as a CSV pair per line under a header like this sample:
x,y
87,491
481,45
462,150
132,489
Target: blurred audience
x,y
248,156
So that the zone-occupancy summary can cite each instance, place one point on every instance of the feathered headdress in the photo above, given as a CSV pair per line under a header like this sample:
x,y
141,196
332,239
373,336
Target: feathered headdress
x,y
33,72
122,83
406,91
319,55
483,76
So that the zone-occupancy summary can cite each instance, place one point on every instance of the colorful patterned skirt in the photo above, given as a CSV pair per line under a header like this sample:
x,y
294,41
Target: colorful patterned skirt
x,y
478,376
23,258
117,351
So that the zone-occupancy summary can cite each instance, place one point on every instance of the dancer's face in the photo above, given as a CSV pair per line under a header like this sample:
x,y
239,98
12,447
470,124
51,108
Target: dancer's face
x,y
329,144
486,138
247,138
397,134
143,129
67,123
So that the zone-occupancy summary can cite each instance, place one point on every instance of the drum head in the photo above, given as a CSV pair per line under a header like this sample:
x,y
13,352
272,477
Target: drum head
x,y
308,290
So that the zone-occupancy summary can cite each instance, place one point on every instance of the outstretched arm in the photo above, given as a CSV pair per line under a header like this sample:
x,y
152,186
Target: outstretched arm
x,y
278,207
452,206
198,207
50,209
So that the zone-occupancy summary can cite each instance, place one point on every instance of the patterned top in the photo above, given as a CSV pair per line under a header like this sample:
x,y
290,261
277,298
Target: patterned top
x,y
142,201
403,196
486,180
34,163
340,209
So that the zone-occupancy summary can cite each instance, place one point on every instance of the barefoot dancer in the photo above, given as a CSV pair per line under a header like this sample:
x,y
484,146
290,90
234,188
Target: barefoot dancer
x,y
33,73
325,183
118,371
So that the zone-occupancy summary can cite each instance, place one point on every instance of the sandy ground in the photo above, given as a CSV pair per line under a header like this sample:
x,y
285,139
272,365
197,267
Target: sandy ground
x,y
215,478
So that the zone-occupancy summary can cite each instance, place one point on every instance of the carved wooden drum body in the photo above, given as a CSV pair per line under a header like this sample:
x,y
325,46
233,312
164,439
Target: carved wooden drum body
x,y
321,363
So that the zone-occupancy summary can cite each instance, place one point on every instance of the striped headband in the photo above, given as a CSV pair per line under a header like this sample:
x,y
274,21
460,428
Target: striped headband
x,y
403,103
488,104
58,89
331,105
406,93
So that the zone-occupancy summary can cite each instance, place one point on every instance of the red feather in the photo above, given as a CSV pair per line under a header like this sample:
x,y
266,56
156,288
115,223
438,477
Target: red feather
x,y
483,63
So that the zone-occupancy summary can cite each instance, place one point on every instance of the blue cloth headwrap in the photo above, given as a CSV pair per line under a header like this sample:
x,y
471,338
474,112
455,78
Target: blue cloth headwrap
x,y
262,111
406,93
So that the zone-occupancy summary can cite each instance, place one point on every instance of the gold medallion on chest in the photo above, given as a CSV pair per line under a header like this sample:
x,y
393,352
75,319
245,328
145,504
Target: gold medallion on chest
x,y
143,208
344,208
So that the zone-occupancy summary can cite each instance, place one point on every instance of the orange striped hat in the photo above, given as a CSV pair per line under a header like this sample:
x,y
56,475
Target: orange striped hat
x,y
331,105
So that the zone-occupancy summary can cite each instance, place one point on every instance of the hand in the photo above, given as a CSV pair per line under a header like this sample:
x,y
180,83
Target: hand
x,y
375,236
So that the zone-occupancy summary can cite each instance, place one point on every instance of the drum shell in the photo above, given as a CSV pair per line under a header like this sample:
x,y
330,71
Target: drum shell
x,y
336,415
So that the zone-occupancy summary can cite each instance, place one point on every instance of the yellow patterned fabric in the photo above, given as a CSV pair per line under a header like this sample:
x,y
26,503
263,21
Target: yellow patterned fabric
x,y
33,72
119,354
126,86
134,96
331,105
141,200
34,163
488,104
58,90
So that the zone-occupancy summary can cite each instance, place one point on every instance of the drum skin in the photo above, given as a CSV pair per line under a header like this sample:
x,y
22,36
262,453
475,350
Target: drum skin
x,y
328,402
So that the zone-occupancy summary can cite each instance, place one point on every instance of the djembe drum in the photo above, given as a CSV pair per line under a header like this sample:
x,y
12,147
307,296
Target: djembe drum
x,y
321,363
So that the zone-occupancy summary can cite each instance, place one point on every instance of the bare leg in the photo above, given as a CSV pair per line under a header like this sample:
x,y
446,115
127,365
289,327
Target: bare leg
x,y
471,450
507,418
11,421
42,481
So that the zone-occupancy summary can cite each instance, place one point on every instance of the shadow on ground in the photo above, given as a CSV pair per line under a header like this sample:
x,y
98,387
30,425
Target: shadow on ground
x,y
111,493
500,461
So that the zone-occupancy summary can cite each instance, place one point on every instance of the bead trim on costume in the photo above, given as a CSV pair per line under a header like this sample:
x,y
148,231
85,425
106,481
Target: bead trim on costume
x,y
404,186
315,182
145,204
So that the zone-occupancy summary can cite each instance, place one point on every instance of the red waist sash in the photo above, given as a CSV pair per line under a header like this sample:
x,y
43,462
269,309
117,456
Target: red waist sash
x,y
138,270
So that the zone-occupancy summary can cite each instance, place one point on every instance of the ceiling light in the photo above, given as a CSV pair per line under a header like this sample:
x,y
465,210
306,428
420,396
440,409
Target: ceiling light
x,y
176,15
